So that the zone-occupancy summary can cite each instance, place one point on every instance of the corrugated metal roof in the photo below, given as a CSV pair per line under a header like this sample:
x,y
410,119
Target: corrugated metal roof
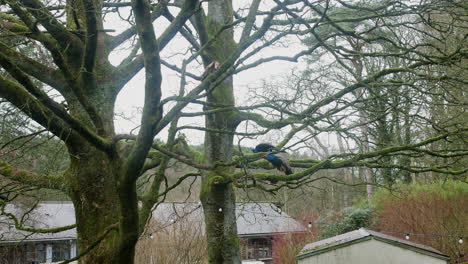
x,y
45,215
358,234
252,218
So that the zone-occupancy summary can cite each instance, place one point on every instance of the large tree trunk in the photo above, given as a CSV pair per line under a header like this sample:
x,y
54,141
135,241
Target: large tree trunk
x,y
97,193
93,190
217,195
106,209
218,200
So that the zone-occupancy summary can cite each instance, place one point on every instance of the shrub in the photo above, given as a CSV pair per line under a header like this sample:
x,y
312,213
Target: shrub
x,y
435,215
348,220
286,247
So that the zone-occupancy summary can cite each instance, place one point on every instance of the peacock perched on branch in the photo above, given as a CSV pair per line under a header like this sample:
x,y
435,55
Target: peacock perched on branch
x,y
280,162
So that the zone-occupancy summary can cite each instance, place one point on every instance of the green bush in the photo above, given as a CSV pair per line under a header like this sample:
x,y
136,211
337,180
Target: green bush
x,y
348,220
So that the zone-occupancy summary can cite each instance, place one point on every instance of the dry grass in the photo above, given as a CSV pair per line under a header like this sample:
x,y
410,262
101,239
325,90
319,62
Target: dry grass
x,y
182,242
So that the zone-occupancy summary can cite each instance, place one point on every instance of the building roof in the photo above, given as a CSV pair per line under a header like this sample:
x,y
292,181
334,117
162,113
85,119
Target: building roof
x,y
361,234
45,215
253,219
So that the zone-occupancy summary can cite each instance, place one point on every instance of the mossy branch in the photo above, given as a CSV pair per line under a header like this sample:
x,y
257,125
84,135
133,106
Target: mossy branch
x,y
21,227
152,110
115,41
47,112
90,49
356,160
32,179
53,26
250,20
127,71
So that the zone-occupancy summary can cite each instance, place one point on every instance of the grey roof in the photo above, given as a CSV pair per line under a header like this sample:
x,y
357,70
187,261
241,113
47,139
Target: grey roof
x,y
362,233
252,218
45,215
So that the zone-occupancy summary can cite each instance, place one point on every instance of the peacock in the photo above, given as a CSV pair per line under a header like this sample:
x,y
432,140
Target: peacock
x,y
280,162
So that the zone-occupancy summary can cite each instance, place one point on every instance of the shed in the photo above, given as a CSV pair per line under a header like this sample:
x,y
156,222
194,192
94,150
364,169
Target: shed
x,y
366,246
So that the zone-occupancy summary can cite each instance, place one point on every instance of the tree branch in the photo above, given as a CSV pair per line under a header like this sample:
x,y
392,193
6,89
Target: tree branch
x,y
35,109
53,26
127,71
39,71
250,21
51,44
91,37
128,33
29,178
357,160
260,120
152,110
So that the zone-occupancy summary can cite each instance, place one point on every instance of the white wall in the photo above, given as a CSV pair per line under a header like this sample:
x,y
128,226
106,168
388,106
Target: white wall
x,y
371,252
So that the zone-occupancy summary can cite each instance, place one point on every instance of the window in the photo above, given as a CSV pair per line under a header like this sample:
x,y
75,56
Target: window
x,y
256,248
60,251
35,253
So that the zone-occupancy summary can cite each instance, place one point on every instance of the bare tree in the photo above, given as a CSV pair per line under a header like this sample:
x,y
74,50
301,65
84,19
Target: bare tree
x,y
105,166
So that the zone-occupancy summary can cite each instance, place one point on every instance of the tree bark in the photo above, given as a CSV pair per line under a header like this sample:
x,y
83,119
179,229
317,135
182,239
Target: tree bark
x,y
217,194
93,190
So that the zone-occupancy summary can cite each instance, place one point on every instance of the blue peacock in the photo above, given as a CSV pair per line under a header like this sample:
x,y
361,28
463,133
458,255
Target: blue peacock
x,y
281,163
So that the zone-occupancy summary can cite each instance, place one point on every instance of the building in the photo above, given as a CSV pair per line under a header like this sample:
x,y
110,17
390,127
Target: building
x,y
365,246
21,247
257,225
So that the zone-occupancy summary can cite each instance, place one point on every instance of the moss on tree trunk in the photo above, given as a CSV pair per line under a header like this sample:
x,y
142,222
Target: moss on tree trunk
x,y
217,194
93,190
